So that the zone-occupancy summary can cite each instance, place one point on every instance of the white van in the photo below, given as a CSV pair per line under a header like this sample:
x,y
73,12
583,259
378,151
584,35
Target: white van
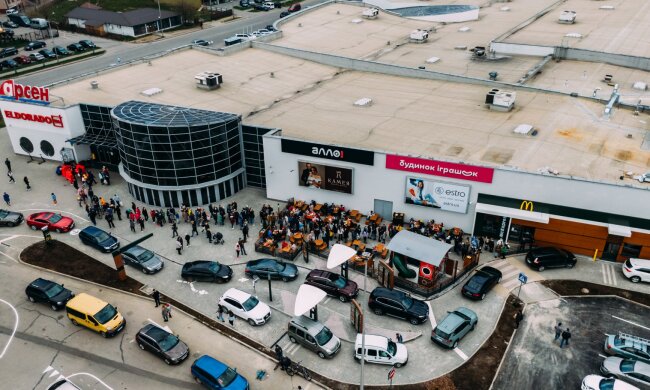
x,y
269,4
38,24
382,350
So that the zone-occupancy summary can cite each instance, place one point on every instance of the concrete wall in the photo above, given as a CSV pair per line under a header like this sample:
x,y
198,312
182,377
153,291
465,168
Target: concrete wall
x,y
521,49
642,63
377,182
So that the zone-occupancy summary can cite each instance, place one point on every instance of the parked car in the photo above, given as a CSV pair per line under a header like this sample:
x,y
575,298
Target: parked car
x,y
10,218
215,375
398,304
19,19
314,336
261,33
245,37
284,14
163,344
8,51
87,44
47,53
98,239
643,178
550,257
261,7
53,221
246,306
33,45
333,284
597,382
144,259
12,11
61,51
628,346
277,269
9,24
295,7
637,270
36,57
206,271
75,47
22,60
380,349
481,282
454,327
628,369
270,28
38,23
51,293
201,42
10,64
95,314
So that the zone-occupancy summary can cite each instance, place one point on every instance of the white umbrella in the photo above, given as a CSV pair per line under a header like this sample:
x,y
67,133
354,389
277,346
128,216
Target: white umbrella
x,y
339,254
308,297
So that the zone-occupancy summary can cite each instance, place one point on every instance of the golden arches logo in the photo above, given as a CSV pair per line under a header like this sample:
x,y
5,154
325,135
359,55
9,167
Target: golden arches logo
x,y
526,205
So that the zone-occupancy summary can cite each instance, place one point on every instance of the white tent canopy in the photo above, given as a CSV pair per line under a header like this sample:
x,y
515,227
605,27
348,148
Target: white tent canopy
x,y
419,247
308,297
339,254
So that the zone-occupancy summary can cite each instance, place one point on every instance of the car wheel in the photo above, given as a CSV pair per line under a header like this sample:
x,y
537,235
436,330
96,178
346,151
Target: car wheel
x,y
33,227
58,230
292,339
482,296
321,355
197,380
251,322
455,344
74,322
414,321
285,279
343,298
398,365
141,346
104,335
499,280
473,326
168,362
635,279
11,224
570,265
541,268
379,312
31,299
144,271
54,307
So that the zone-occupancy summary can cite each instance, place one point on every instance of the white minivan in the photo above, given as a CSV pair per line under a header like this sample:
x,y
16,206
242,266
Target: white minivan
x,y
637,270
382,350
38,23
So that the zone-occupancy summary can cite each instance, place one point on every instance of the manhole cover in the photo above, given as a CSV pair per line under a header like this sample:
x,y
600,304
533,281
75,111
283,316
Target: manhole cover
x,y
585,290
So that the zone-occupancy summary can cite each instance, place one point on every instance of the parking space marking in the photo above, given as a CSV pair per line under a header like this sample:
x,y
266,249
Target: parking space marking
x,y
510,284
4,254
432,316
609,274
630,322
160,326
293,349
510,274
327,300
13,333
92,376
8,238
460,353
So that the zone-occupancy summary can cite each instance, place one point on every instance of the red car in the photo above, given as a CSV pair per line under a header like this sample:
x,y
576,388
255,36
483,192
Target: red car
x,y
53,221
23,60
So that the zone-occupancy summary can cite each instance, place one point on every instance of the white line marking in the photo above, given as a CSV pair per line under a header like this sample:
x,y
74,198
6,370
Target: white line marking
x,y
602,356
160,326
4,254
432,317
614,275
510,274
460,353
327,299
92,376
510,284
11,337
499,264
602,268
8,238
47,369
58,211
632,323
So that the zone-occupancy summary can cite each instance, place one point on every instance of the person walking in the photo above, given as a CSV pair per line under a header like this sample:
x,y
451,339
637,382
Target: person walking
x,y
53,198
166,311
231,318
11,177
156,297
244,231
558,331
519,316
8,164
241,247
187,239
194,230
399,338
237,249
109,218
220,310
566,335
6,198
174,230
92,215
208,233
179,246
29,188
504,251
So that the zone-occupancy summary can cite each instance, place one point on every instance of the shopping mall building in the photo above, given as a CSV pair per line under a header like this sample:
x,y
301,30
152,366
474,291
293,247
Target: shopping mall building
x,y
431,149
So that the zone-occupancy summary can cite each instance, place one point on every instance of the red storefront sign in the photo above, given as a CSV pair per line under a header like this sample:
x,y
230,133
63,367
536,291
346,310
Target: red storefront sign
x,y
17,91
54,120
440,168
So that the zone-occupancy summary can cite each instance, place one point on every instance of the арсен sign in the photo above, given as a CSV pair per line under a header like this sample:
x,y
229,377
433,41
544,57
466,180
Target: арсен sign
x,y
12,90
440,168
328,151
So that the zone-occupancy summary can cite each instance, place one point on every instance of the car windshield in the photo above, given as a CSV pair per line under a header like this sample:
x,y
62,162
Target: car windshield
x,y
407,302
627,365
628,263
54,218
250,303
144,256
227,377
215,267
607,384
340,282
324,336
476,282
391,348
105,314
101,236
279,267
3,213
53,290
168,342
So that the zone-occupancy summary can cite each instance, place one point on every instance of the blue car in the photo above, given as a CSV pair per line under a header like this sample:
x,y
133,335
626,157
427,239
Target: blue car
x,y
215,375
99,239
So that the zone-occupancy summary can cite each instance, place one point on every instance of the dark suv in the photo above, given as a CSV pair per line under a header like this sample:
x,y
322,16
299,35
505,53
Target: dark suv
x,y
333,284
51,293
550,257
96,237
35,45
398,304
8,51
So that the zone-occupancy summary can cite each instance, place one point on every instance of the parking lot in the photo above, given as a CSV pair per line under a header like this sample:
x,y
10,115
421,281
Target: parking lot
x,y
535,361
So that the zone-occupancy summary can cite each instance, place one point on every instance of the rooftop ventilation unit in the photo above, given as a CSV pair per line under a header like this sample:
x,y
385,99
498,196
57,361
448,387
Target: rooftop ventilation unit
x,y
640,85
363,102
500,100
607,7
419,36
208,80
567,17
432,60
370,13
525,129
151,91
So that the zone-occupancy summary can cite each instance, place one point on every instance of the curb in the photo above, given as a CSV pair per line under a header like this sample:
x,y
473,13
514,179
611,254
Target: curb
x,y
503,358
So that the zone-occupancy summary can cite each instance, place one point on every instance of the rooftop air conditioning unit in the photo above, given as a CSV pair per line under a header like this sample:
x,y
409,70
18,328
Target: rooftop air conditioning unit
x,y
370,13
419,36
500,100
567,17
208,80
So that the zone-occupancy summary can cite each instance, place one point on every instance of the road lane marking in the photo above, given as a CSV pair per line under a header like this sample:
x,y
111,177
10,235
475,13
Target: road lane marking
x,y
460,353
602,270
11,336
432,317
630,322
8,238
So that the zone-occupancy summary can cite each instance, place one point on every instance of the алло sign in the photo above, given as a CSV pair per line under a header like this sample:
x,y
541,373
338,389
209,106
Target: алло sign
x,y
440,168
329,152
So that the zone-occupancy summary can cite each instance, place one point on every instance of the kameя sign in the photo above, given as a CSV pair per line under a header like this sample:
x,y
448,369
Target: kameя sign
x,y
10,89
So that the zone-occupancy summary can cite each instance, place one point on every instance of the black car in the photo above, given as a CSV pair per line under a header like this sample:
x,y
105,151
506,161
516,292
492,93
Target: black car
x,y
398,304
33,45
75,47
550,257
10,24
277,269
284,14
481,282
144,259
162,344
11,64
87,44
261,7
333,284
99,239
206,271
8,51
51,293
8,33
270,28
47,53
10,218
61,51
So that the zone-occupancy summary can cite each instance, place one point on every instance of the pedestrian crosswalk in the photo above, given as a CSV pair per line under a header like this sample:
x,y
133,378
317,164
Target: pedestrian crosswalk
x,y
510,274
288,347
609,273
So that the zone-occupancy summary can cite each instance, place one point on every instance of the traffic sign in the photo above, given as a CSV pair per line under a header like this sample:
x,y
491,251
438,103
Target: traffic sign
x,y
522,277
391,374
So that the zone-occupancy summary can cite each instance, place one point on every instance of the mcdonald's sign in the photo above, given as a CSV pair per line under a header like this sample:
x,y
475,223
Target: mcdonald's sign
x,y
526,205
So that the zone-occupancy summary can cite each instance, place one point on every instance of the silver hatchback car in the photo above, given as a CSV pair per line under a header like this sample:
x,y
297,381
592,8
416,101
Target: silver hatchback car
x,y
628,369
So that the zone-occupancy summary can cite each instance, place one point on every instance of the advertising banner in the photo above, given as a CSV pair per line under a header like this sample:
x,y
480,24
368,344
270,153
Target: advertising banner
x,y
440,168
441,195
324,177
329,152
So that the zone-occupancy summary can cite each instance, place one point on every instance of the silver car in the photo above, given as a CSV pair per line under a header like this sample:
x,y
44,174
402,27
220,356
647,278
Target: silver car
x,y
142,258
627,369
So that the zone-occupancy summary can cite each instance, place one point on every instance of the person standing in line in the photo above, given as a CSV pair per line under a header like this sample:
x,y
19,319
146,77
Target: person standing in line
x,y
11,177
166,311
141,221
156,297
6,198
194,230
399,338
566,335
8,164
519,316
220,311
29,188
92,215
231,318
145,214
179,245
187,239
118,210
109,218
174,230
244,231
132,222
53,198
558,331
241,247
237,249
208,233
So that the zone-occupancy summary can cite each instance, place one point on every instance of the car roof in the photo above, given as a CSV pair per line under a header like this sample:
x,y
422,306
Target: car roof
x,y
373,340
211,365
321,273
262,260
308,323
154,332
386,292
199,264
41,283
93,230
238,295
490,270
136,250
640,262
88,302
545,250
450,322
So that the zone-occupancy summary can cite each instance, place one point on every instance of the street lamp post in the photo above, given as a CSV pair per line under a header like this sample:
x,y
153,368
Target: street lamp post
x,y
159,16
